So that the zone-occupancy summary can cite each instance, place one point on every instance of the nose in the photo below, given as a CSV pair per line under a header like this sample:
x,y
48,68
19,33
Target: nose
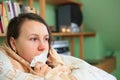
x,y
41,46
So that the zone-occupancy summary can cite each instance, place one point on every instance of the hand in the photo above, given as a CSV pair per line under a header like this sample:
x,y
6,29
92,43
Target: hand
x,y
41,68
60,73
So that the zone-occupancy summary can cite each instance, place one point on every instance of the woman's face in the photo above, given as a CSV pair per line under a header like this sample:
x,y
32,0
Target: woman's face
x,y
33,40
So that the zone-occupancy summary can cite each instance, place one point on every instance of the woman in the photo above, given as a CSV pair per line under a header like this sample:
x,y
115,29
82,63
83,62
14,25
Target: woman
x,y
29,42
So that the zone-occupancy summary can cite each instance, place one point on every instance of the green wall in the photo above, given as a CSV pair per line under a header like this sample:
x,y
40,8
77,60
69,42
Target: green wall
x,y
103,17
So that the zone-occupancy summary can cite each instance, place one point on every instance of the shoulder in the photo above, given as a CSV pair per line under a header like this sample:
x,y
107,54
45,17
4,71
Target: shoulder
x,y
3,55
70,60
4,60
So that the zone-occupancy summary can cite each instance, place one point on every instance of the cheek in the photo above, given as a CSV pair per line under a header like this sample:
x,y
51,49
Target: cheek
x,y
27,52
47,46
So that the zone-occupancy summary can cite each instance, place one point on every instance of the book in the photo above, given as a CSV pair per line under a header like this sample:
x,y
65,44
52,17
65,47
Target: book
x,y
9,9
4,18
16,8
1,26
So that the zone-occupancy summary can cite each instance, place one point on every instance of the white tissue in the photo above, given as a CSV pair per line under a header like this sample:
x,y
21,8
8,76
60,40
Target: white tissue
x,y
41,58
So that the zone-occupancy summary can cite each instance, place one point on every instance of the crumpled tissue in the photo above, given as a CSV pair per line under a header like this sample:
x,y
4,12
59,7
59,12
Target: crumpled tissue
x,y
42,57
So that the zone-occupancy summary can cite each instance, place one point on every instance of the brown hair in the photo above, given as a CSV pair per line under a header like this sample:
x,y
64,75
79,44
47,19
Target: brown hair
x,y
15,24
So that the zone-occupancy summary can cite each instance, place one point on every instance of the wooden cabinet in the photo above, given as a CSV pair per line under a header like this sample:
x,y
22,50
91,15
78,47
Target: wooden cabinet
x,y
108,64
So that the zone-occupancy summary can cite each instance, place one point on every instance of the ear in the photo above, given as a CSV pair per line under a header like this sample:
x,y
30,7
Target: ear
x,y
13,43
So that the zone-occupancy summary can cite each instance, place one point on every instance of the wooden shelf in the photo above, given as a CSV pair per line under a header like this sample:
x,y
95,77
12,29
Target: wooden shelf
x,y
2,34
62,2
86,34
80,35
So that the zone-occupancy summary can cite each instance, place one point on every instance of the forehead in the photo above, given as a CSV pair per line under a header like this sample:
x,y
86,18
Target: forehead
x,y
30,26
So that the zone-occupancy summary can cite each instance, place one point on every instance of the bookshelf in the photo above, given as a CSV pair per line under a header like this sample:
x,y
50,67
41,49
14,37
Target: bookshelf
x,y
80,35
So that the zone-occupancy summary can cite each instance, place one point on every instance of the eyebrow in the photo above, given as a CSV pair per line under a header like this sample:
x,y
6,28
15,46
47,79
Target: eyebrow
x,y
34,34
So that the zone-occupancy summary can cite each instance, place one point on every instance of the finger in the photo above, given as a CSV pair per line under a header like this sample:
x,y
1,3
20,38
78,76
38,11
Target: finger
x,y
41,68
45,68
38,66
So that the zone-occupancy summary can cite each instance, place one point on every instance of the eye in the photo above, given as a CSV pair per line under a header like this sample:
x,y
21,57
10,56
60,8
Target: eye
x,y
33,39
46,38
